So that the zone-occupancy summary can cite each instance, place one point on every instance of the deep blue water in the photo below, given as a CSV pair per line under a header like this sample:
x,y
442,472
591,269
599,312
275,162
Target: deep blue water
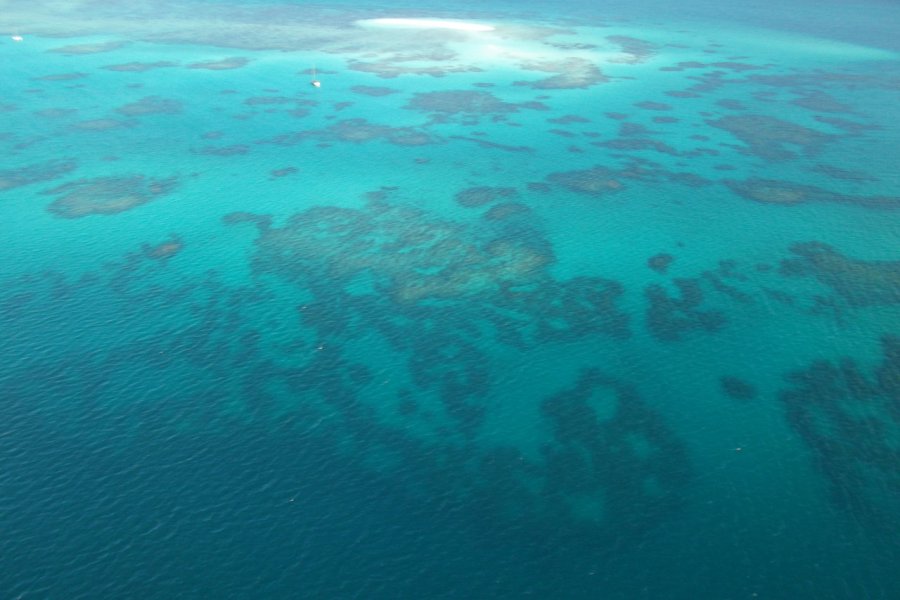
x,y
593,302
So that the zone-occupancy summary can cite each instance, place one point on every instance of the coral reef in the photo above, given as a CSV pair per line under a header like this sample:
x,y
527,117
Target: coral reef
x,y
45,171
140,67
635,50
61,77
660,262
737,388
103,124
234,62
670,318
374,91
284,172
107,195
570,73
851,424
858,282
598,181
150,105
76,49
481,195
773,191
164,250
768,137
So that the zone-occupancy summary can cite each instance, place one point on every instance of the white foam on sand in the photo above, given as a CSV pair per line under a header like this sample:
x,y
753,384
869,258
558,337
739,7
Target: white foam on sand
x,y
426,24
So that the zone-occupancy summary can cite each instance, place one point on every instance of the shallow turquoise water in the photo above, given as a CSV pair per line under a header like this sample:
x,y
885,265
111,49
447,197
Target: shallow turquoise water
x,y
601,304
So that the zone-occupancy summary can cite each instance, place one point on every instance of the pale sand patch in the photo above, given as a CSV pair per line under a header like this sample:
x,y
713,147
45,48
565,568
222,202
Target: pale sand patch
x,y
426,24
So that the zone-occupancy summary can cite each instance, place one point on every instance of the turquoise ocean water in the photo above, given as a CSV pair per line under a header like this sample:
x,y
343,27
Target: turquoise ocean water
x,y
584,302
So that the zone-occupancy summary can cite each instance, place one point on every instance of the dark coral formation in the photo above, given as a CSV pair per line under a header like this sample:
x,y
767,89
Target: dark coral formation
x,y
660,262
670,318
357,131
507,210
45,171
858,282
602,180
635,50
482,195
414,259
388,69
76,49
436,292
597,181
569,73
819,101
233,150
651,105
150,105
268,100
140,67
567,119
851,424
164,250
107,195
769,137
55,113
843,174
737,388
613,462
773,191
284,172
61,77
461,102
371,90
234,62
103,124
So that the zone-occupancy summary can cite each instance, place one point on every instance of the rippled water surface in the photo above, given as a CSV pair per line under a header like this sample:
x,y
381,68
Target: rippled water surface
x,y
520,300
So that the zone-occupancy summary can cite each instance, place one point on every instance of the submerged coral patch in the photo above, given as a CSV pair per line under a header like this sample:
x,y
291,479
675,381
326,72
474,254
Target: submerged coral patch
x,y
737,388
570,73
597,181
452,102
35,173
224,64
651,105
388,69
61,77
858,282
481,195
773,191
103,124
507,210
613,461
140,67
356,131
233,150
769,137
819,101
150,105
75,49
372,90
55,113
284,172
634,50
107,195
850,421
164,250
670,318
660,262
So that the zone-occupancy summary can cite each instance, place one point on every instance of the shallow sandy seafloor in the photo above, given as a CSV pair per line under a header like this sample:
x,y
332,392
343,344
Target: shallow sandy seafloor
x,y
604,297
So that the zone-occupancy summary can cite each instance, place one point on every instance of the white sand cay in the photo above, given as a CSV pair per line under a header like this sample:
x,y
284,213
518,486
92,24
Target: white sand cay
x,y
426,24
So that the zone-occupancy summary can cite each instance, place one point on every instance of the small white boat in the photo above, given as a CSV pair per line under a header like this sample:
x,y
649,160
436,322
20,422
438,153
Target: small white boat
x,y
17,38
315,82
